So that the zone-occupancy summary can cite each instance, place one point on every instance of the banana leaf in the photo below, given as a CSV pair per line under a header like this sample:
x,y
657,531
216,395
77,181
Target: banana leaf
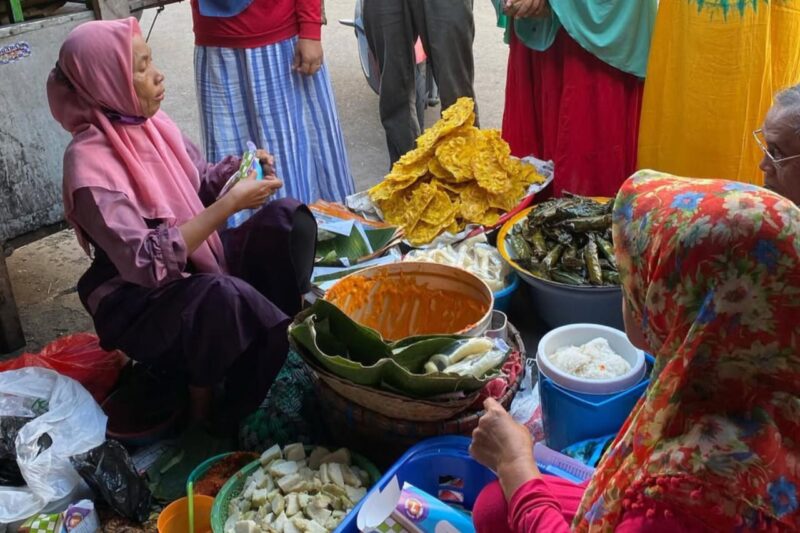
x,y
327,337
339,250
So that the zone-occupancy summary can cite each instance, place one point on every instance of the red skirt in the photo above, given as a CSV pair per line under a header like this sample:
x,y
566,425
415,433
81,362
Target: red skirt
x,y
568,106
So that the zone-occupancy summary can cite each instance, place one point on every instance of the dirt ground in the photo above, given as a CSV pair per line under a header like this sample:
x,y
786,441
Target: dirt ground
x,y
44,274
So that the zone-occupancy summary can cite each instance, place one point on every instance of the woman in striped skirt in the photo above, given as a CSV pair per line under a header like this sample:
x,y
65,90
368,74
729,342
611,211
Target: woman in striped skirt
x,y
260,76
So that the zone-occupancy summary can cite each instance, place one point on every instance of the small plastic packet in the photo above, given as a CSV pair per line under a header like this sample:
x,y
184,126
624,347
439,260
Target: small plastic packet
x,y
249,163
410,510
42,523
81,518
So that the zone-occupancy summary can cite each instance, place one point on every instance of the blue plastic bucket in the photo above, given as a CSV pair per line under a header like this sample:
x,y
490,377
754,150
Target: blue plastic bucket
x,y
570,417
502,298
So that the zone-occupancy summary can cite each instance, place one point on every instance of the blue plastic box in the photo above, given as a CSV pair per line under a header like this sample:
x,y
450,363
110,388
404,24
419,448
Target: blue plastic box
x,y
434,465
431,465
570,417
502,298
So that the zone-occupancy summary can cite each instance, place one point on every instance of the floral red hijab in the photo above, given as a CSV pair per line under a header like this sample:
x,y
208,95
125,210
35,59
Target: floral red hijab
x,y
711,269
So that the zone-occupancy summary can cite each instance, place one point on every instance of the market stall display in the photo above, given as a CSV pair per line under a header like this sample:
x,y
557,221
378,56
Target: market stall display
x,y
567,240
385,427
561,296
311,488
325,336
348,243
457,175
477,256
405,299
474,255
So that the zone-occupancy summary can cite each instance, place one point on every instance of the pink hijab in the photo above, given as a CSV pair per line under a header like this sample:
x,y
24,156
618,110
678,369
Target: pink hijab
x,y
147,160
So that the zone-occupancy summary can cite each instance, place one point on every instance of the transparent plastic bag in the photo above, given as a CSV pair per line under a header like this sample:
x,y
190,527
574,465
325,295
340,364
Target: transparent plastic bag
x,y
73,424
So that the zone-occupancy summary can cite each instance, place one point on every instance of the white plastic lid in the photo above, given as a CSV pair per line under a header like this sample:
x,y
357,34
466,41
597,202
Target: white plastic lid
x,y
578,335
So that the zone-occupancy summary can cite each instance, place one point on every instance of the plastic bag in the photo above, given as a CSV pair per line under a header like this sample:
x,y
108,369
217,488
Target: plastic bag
x,y
109,471
74,424
249,163
79,357
526,407
9,469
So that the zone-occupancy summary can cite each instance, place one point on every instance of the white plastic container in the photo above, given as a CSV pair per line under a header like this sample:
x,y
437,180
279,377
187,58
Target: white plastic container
x,y
579,334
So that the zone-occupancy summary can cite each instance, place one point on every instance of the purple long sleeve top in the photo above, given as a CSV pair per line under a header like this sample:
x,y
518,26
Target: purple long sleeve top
x,y
148,253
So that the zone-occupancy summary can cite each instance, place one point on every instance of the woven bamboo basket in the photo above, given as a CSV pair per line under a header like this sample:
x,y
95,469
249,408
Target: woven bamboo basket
x,y
384,439
394,405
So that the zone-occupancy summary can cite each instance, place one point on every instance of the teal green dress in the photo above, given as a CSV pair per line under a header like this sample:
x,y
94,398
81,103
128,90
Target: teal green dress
x,y
617,32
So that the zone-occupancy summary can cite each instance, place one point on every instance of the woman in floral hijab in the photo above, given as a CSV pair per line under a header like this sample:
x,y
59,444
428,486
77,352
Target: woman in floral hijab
x,y
711,278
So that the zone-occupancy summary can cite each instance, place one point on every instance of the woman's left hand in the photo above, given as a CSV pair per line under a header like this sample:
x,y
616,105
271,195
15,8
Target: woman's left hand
x,y
527,8
267,163
307,56
505,447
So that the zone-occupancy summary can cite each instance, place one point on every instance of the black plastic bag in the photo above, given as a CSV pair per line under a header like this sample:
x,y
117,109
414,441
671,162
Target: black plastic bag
x,y
10,476
109,471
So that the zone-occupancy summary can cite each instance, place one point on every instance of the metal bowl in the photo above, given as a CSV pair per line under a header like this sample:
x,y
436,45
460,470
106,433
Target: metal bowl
x,y
401,310
559,304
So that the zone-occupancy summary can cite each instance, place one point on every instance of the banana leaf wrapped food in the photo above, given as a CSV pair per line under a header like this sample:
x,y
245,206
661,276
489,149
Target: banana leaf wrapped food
x,y
568,241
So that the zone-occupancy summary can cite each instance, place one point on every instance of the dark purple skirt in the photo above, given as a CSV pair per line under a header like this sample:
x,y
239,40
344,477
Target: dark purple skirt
x,y
215,328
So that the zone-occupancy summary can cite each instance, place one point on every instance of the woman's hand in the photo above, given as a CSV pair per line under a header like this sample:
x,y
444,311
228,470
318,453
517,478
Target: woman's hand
x,y
267,163
251,193
526,8
307,56
505,447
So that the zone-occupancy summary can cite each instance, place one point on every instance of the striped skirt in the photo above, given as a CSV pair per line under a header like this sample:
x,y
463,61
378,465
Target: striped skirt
x,y
253,94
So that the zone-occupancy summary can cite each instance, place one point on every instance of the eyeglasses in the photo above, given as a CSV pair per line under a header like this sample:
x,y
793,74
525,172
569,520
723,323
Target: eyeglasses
x,y
758,135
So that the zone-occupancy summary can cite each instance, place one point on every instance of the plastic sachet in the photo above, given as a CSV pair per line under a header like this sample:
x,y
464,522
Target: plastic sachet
x,y
249,163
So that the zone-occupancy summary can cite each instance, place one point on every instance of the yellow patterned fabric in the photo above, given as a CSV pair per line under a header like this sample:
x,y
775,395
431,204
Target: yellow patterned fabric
x,y
714,68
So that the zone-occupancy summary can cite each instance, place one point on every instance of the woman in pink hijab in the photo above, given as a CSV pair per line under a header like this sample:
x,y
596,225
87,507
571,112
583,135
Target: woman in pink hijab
x,y
165,286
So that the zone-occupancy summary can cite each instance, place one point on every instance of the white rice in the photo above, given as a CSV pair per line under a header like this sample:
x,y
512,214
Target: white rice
x,y
593,360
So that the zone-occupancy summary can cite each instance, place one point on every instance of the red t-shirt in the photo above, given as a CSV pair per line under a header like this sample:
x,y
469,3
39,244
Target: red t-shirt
x,y
264,22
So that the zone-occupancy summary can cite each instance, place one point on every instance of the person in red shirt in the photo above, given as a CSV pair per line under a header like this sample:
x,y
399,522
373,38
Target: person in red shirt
x,y
261,77
710,271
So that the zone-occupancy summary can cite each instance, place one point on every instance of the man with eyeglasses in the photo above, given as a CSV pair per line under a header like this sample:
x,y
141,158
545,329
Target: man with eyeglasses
x,y
779,139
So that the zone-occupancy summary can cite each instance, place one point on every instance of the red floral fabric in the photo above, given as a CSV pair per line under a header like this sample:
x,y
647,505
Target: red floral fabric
x,y
711,270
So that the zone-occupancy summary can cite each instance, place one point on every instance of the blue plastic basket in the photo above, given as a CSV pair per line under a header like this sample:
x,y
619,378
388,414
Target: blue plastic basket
x,y
570,417
437,464
502,298
429,466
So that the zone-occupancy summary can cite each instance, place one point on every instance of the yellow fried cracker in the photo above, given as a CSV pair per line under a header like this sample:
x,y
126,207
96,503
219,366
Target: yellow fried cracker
x,y
455,154
525,173
494,141
486,167
414,163
504,202
423,233
451,187
461,113
388,187
440,211
438,171
421,196
488,218
394,207
474,203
